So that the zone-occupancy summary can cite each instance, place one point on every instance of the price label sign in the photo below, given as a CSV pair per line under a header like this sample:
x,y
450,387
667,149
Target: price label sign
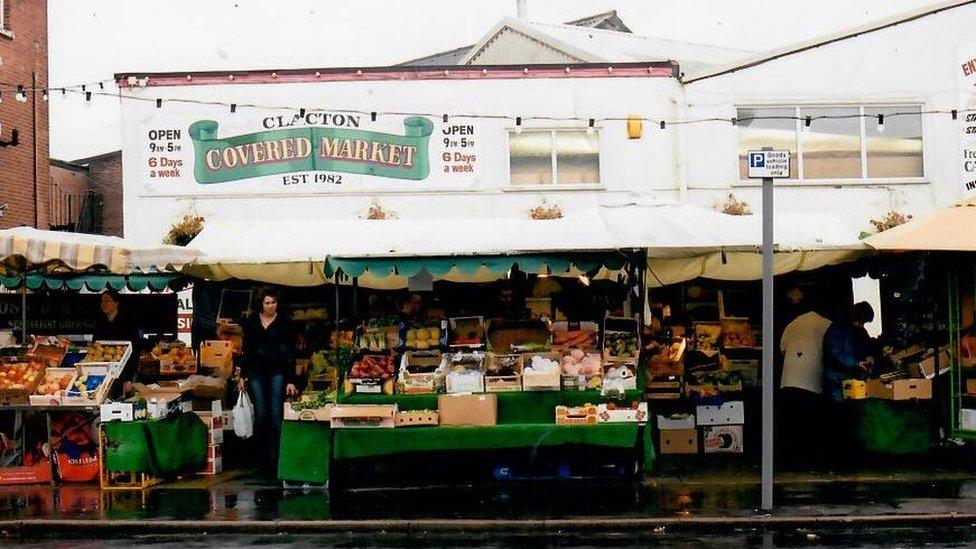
x,y
769,164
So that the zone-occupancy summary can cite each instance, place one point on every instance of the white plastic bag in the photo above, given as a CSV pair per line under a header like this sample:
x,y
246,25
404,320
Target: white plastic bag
x,y
243,416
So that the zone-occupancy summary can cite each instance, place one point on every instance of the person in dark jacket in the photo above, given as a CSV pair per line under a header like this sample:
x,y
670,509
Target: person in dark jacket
x,y
268,373
847,351
115,325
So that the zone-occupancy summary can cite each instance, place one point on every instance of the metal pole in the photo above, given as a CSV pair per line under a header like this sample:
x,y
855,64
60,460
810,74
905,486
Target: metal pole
x,y
23,308
767,344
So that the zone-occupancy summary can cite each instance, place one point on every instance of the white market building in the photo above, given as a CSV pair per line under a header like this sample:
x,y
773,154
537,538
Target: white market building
x,y
521,135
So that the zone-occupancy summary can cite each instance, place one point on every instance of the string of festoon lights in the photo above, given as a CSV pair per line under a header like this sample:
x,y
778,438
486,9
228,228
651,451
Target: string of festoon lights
x,y
97,89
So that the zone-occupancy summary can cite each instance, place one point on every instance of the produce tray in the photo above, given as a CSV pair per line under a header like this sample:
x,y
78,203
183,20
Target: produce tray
x,y
116,366
309,414
416,418
19,397
55,399
99,394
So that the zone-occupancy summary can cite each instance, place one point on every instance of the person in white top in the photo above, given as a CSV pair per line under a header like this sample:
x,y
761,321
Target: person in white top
x,y
802,348
800,402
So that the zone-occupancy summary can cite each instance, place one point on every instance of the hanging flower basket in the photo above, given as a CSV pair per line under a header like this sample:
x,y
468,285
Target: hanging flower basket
x,y
184,230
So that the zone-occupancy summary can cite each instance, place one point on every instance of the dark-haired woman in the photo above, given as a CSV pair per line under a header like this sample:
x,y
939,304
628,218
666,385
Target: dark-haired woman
x,y
268,374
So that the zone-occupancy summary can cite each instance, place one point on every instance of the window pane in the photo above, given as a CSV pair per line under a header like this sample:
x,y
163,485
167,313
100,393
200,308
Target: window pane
x,y
577,157
832,146
779,133
898,151
530,157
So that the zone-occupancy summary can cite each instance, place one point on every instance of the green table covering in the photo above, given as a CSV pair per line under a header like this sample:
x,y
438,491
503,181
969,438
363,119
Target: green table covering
x,y
359,443
305,451
893,427
536,411
157,447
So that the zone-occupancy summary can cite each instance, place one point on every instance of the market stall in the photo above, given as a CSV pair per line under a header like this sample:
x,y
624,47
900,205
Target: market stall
x,y
63,376
509,378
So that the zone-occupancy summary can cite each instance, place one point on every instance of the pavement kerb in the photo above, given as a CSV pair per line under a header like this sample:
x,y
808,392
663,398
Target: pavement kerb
x,y
42,528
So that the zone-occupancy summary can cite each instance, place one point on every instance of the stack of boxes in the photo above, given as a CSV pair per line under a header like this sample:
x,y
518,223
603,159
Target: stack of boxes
x,y
677,434
214,419
721,427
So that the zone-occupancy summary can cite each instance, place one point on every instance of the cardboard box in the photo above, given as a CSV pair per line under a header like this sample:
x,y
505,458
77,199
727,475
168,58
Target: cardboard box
x,y
748,368
582,382
474,410
675,423
900,389
466,382
678,441
214,466
51,375
130,410
234,333
420,372
576,415
730,413
217,357
722,439
95,397
309,414
854,389
622,414
416,418
503,372
541,380
215,436
161,405
967,419
170,365
363,416
925,368
368,386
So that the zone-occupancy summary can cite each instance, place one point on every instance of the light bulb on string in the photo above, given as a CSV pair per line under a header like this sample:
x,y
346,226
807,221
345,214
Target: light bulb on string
x,y
881,123
44,95
518,124
806,123
21,96
589,128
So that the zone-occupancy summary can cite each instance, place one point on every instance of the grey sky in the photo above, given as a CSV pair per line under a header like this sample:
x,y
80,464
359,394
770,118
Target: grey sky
x,y
92,39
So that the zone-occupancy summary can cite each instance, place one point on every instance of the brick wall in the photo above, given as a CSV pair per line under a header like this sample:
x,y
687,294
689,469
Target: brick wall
x,y
105,181
69,186
23,55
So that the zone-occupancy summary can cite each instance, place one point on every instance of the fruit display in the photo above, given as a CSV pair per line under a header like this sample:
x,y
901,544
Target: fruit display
x,y
707,336
85,385
576,363
465,373
304,315
174,357
467,331
55,381
342,338
539,364
372,367
503,365
736,332
20,376
621,345
103,352
422,338
50,355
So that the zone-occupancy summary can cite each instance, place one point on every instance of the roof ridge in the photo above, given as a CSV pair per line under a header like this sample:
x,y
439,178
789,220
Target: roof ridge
x,y
637,36
824,40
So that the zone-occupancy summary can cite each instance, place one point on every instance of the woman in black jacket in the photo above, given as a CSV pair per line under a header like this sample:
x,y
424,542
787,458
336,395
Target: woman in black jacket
x,y
268,373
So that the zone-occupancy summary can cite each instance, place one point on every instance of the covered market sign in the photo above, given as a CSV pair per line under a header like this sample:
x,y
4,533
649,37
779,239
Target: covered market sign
x,y
305,149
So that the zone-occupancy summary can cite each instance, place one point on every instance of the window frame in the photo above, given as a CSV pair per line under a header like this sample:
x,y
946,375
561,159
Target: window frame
x,y
863,180
5,31
555,185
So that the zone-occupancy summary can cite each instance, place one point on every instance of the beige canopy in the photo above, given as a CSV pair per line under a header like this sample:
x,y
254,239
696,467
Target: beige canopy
x,y
952,229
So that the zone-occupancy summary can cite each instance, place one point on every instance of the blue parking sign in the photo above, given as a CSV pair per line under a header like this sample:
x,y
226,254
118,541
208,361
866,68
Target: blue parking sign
x,y
757,160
